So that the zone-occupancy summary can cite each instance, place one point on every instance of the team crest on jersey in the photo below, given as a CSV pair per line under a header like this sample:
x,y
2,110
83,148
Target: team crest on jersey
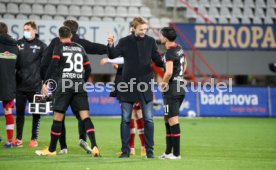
x,y
20,46
35,47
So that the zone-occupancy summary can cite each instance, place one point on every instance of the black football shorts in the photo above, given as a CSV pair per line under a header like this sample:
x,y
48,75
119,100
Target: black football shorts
x,y
62,100
173,99
172,105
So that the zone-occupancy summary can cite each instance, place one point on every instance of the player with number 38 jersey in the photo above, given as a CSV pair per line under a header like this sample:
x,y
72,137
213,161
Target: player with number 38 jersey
x,y
71,63
73,59
72,67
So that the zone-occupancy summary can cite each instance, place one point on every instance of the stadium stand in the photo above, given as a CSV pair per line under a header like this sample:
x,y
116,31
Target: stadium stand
x,y
46,17
21,16
110,11
133,11
218,11
50,9
25,8
223,11
2,8
226,3
54,2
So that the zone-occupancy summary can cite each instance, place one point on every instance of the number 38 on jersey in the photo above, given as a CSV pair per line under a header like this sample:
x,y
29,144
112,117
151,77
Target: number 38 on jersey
x,y
74,62
73,67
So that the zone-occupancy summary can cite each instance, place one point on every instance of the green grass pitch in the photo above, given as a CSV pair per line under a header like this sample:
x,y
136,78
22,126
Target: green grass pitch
x,y
206,143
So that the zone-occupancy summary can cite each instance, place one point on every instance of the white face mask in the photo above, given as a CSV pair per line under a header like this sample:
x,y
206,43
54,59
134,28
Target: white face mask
x,y
27,35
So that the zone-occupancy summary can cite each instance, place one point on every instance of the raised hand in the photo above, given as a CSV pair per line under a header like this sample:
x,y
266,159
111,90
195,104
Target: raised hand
x,y
110,39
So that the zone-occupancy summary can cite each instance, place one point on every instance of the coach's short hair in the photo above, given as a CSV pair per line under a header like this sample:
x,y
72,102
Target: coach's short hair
x,y
138,21
169,33
32,24
64,32
72,24
3,28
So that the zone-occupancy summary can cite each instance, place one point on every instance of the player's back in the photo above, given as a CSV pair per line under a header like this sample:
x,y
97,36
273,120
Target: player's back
x,y
72,58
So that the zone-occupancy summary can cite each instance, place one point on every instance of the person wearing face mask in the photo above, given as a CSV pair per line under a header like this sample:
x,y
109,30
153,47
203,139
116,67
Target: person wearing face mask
x,y
138,50
28,81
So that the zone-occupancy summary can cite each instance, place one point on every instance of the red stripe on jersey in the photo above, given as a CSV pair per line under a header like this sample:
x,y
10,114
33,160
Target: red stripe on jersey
x,y
90,130
86,63
55,133
56,57
175,135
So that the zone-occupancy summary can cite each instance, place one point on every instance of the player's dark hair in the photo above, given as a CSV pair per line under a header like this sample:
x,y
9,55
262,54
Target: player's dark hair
x,y
64,32
169,33
72,24
3,28
32,24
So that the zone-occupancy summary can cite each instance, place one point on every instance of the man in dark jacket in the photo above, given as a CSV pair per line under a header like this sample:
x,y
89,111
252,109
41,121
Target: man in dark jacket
x,y
8,55
28,81
90,48
138,50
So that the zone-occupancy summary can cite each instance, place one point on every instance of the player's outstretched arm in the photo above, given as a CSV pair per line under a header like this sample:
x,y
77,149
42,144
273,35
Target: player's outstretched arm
x,y
93,48
119,60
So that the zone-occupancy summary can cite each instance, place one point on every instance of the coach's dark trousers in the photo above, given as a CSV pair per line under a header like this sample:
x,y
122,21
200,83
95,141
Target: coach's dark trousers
x,y
125,125
21,101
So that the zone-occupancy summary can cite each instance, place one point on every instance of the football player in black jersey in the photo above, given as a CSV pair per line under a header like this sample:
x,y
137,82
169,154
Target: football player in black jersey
x,y
173,91
90,48
71,63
